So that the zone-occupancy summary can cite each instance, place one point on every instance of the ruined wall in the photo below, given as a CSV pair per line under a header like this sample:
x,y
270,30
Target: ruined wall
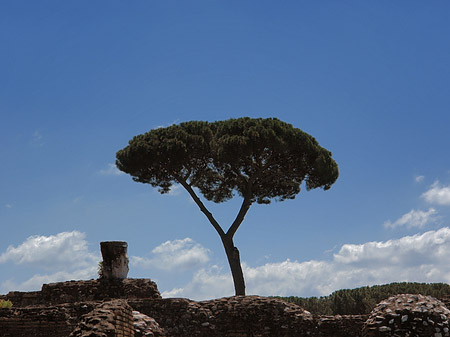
x,y
58,307
408,315
113,318
231,317
39,321
89,311
241,316
83,291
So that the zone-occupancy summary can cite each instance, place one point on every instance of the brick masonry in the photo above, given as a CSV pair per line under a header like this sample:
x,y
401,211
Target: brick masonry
x,y
241,316
42,321
134,307
83,291
112,319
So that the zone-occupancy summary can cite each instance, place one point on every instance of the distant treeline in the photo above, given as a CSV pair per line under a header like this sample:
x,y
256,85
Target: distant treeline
x,y
363,300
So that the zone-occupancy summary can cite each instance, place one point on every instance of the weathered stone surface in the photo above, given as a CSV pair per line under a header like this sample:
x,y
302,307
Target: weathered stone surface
x,y
82,291
146,326
408,315
244,316
108,319
89,308
115,259
42,321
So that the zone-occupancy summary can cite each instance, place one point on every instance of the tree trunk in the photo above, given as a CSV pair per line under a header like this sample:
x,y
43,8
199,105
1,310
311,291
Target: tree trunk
x,y
234,261
232,252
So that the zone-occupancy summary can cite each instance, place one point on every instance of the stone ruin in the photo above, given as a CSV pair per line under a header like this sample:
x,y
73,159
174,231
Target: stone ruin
x,y
408,315
115,259
116,306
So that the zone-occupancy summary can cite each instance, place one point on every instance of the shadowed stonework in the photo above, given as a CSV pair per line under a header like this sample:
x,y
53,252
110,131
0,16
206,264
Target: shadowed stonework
x,y
132,307
115,259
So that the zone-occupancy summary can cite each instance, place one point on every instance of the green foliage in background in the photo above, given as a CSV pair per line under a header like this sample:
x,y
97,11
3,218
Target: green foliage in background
x,y
5,304
363,300
100,269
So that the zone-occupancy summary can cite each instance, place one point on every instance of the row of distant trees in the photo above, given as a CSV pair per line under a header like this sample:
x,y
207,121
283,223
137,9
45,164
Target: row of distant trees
x,y
363,300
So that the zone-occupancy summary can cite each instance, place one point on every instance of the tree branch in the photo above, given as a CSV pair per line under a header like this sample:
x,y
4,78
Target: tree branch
x,y
246,203
202,207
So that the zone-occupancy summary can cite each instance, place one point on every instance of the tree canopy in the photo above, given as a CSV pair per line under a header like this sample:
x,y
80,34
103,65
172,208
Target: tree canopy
x,y
259,159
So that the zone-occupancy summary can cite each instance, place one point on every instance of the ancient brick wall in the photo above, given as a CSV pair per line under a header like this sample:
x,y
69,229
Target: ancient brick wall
x,y
234,316
245,316
83,291
23,299
42,321
90,311
58,307
111,319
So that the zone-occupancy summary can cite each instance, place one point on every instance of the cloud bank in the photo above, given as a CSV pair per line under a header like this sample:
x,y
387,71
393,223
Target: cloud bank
x,y
54,252
417,258
64,256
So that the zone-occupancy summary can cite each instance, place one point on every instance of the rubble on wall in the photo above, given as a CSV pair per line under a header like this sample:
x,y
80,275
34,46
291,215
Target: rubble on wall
x,y
408,315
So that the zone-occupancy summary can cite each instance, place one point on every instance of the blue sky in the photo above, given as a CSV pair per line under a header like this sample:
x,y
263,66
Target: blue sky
x,y
369,80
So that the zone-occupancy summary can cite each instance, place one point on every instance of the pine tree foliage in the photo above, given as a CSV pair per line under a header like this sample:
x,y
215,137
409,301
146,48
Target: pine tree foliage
x,y
258,159
363,300
263,159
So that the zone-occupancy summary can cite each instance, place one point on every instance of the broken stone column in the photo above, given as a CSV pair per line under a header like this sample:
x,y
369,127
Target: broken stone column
x,y
115,259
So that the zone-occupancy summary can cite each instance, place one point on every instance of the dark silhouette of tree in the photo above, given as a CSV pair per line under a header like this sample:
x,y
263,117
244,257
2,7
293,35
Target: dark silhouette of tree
x,y
259,159
362,300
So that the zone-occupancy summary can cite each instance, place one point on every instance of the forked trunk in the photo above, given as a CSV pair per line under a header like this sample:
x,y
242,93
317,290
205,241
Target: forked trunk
x,y
232,252
234,261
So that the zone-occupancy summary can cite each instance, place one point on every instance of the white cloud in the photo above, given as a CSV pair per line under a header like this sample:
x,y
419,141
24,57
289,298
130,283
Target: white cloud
x,y
9,206
206,284
37,140
419,179
111,170
414,218
175,255
418,258
65,256
175,292
438,194
64,251
36,281
407,251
